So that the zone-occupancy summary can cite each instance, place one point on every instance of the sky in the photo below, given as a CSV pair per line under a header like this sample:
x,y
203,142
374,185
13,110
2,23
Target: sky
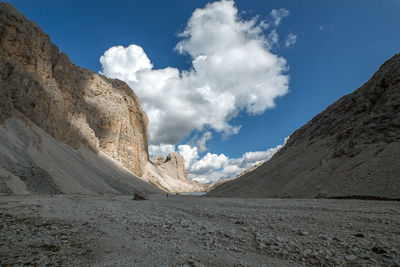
x,y
225,83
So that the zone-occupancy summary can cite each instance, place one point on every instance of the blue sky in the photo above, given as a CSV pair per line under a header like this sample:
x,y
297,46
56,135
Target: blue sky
x,y
339,45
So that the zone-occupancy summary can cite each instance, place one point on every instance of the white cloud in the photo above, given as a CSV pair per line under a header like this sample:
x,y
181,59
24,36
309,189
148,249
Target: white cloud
x,y
291,40
202,180
190,154
213,167
117,62
258,155
210,162
233,70
162,149
278,14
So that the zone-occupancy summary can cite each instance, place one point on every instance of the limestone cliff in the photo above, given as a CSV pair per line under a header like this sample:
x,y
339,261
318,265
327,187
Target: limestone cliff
x,y
351,149
73,105
48,101
173,165
169,174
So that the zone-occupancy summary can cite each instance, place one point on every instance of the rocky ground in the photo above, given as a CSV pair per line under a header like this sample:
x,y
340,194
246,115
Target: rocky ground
x,y
197,231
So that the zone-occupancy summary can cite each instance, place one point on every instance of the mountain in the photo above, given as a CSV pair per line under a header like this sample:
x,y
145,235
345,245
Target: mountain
x,y
170,175
351,149
64,129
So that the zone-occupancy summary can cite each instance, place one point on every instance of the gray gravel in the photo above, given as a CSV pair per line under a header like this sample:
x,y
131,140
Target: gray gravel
x,y
197,231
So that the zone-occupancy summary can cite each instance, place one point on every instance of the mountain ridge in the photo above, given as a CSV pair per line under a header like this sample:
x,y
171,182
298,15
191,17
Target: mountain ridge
x,y
351,148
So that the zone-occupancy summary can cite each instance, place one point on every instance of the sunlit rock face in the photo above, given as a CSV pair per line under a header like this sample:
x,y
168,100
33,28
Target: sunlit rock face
x,y
175,164
73,105
350,149
76,107
170,174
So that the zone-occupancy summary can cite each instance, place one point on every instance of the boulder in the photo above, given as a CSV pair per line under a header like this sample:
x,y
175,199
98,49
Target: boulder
x,y
140,195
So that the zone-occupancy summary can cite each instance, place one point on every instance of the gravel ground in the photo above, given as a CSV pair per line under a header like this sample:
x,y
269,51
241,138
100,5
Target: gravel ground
x,y
197,231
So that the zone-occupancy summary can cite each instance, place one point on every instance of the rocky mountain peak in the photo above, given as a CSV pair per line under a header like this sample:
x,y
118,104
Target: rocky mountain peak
x,y
173,165
158,160
175,160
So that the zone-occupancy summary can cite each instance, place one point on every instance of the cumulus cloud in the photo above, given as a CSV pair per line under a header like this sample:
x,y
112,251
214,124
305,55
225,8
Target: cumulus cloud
x,y
213,167
233,71
291,40
161,149
117,62
190,154
210,162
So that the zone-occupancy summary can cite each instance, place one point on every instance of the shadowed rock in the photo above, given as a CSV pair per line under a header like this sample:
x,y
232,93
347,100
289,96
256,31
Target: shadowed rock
x,y
73,105
64,129
170,174
350,149
140,195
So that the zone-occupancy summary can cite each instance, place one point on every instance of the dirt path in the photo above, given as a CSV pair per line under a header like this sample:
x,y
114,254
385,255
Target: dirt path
x,y
196,231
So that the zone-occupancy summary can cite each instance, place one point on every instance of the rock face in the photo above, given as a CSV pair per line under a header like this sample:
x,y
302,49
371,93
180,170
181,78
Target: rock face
x,y
350,149
71,104
173,165
170,175
64,129
51,103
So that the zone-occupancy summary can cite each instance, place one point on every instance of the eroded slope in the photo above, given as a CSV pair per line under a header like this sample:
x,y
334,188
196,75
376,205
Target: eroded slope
x,y
350,149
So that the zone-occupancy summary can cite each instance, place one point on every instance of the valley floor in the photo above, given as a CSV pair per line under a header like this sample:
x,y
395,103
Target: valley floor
x,y
196,231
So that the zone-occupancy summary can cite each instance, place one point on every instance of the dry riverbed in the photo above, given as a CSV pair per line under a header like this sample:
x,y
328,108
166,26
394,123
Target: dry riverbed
x,y
197,231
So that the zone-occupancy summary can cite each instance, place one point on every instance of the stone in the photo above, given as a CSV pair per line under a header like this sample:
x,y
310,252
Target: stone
x,y
140,195
378,250
351,257
197,264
